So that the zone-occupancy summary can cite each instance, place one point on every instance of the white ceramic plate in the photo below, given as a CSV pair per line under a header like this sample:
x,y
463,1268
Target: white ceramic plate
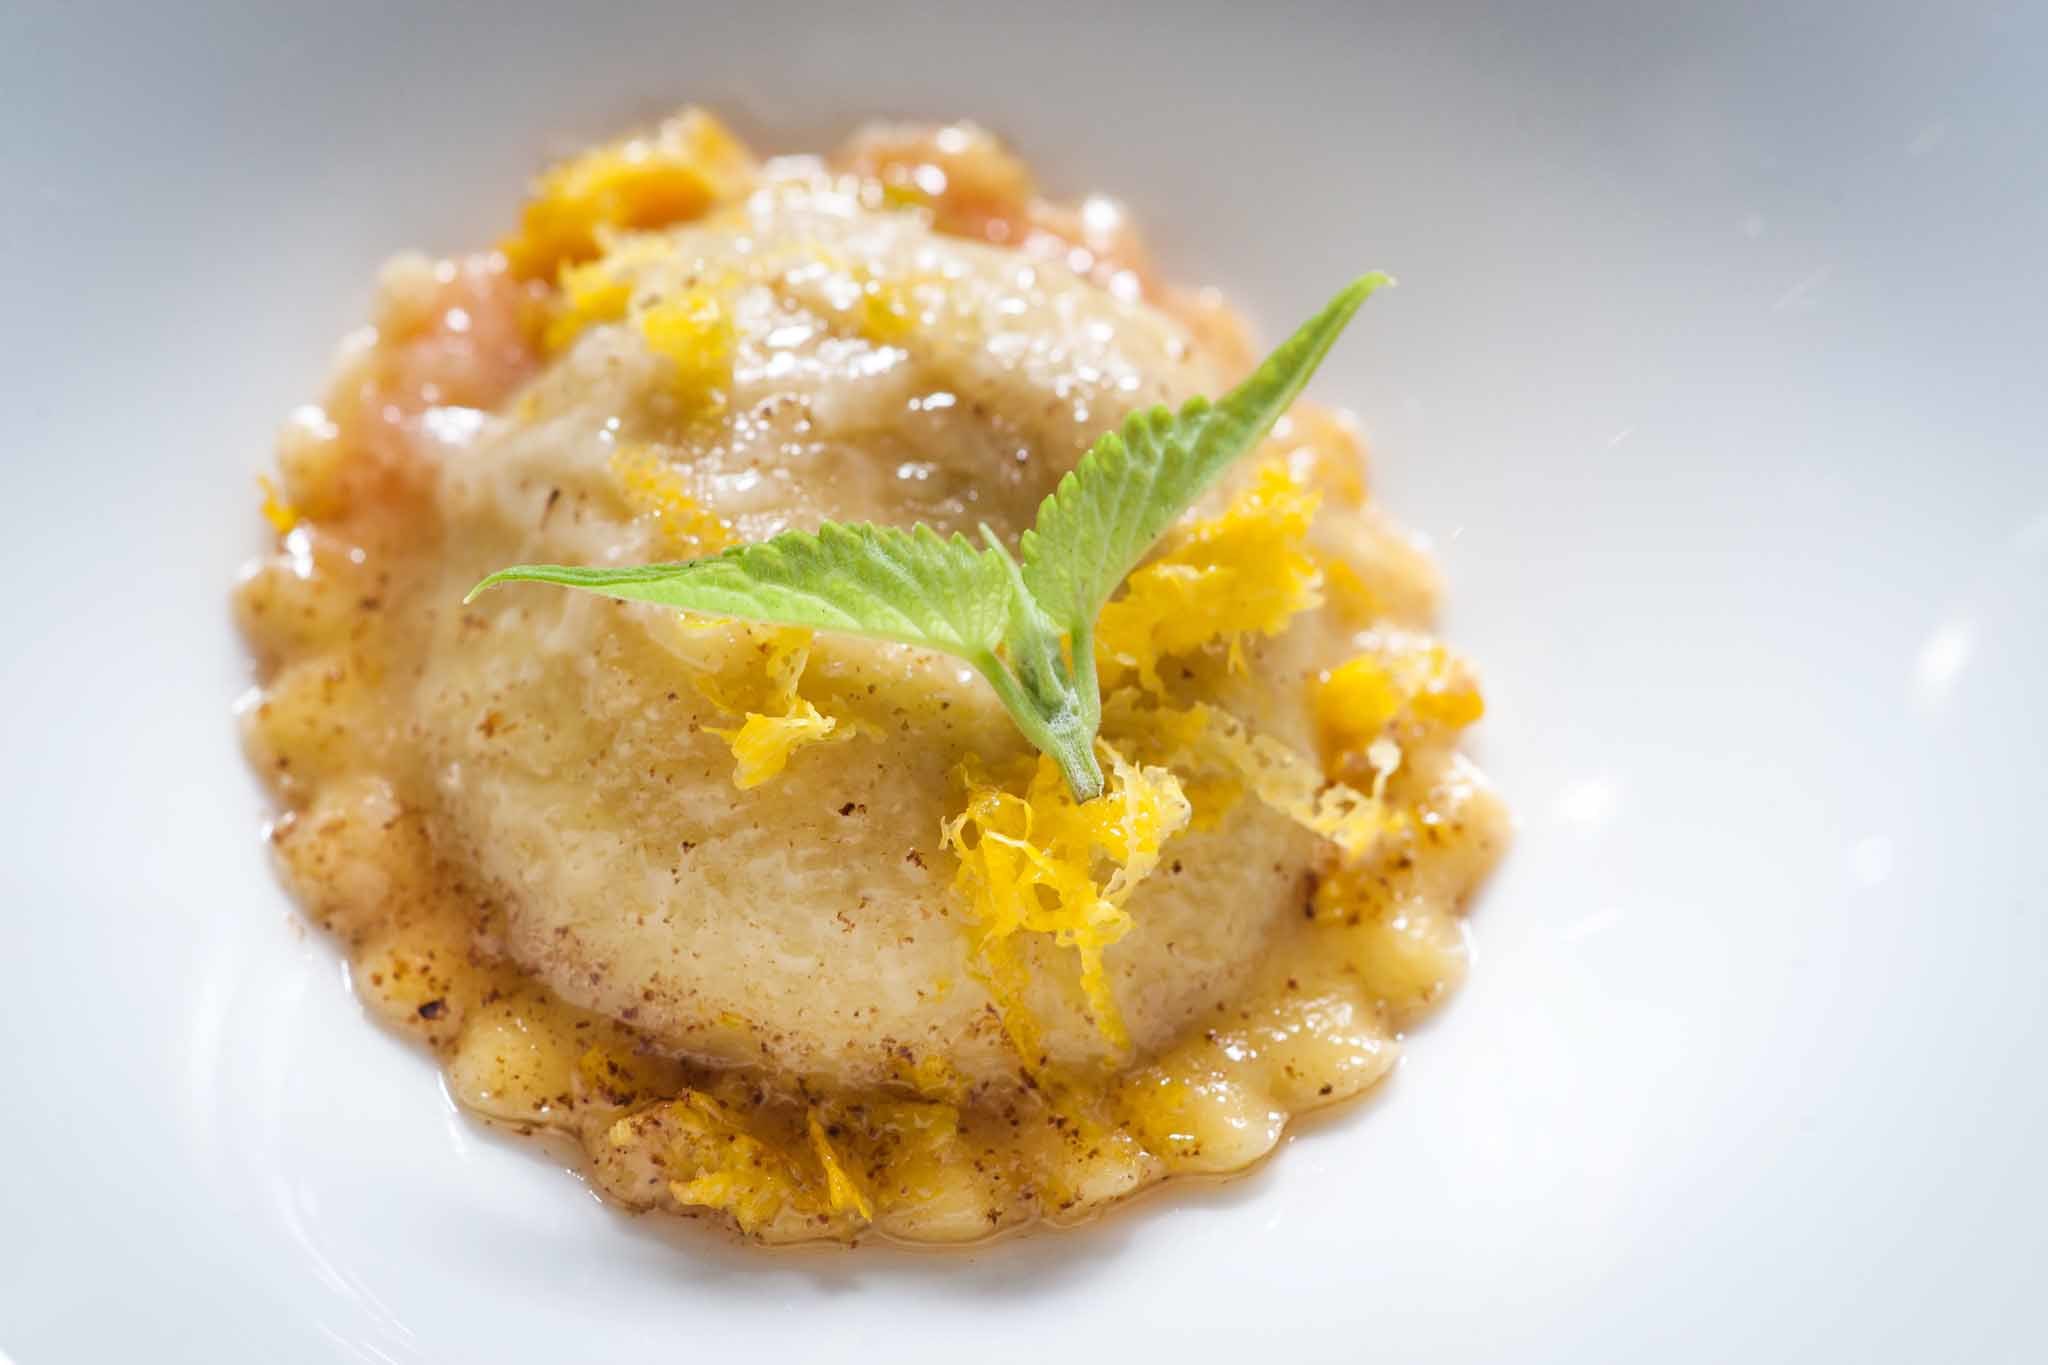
x,y
1717,372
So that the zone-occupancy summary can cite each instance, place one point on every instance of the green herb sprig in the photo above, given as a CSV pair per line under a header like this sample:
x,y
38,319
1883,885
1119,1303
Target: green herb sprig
x,y
1025,623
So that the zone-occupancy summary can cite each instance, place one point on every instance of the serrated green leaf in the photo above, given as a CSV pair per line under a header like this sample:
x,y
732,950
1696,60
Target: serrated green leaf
x,y
888,584
1131,485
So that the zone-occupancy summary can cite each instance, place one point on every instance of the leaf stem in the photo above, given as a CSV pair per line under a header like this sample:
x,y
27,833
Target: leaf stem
x,y
1066,734
1081,640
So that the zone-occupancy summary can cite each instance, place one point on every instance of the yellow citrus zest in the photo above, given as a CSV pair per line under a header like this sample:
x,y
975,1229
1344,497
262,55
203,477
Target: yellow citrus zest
x,y
765,739
716,1163
1241,573
1294,784
761,746
843,1192
655,490
671,175
1357,701
693,331
887,312
1028,865
1224,755
281,515
882,309
590,293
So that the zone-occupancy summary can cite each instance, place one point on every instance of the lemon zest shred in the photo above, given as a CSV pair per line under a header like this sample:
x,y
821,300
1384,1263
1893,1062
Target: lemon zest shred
x,y
882,308
914,1141
761,745
902,196
784,722
1294,784
1241,573
599,290
1451,707
655,490
279,512
751,1200
1203,739
686,166
1212,797
887,313
843,1193
730,1169
694,332
1356,702
590,293
1027,865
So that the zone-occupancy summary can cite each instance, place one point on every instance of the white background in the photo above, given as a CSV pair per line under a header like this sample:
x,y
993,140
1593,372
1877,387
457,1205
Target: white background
x,y
1717,373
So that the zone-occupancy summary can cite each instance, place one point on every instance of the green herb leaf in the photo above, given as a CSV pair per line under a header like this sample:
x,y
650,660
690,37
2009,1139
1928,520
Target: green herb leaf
x,y
1110,509
1027,628
888,584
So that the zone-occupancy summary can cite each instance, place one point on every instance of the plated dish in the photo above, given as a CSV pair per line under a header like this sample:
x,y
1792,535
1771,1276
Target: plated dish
x,y
789,915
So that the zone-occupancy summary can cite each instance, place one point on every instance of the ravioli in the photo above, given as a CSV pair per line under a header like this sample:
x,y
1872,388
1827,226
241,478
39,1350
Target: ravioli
x,y
795,929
